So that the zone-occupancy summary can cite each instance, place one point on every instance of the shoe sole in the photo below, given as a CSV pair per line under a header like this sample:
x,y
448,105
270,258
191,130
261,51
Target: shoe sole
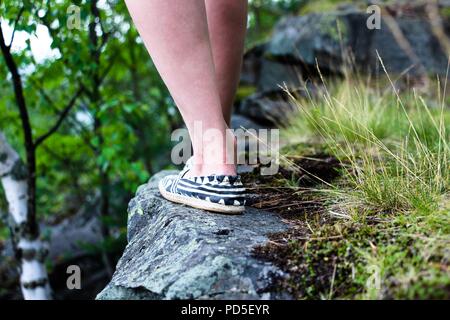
x,y
201,204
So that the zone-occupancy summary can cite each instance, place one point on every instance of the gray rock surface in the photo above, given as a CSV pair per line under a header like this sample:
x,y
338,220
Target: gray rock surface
x,y
316,36
300,43
267,107
69,238
239,121
176,252
273,108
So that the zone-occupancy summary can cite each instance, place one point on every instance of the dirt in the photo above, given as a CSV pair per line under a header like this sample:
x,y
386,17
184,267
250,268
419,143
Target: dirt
x,y
310,258
293,202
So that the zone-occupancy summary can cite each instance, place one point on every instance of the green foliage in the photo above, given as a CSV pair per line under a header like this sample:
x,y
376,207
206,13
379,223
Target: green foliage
x,y
326,5
263,14
120,125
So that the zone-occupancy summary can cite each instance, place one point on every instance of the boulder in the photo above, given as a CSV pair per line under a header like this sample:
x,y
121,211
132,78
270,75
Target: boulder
x,y
274,108
316,37
301,43
176,252
268,108
268,73
239,121
69,238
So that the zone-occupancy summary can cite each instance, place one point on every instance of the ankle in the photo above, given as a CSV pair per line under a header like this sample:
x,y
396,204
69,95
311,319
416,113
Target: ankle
x,y
212,169
215,154
207,167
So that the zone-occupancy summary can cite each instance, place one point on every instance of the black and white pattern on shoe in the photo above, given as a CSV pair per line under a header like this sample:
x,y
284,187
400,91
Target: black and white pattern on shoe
x,y
220,193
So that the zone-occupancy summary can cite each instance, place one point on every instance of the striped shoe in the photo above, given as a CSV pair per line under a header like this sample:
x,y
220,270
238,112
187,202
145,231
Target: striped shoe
x,y
217,193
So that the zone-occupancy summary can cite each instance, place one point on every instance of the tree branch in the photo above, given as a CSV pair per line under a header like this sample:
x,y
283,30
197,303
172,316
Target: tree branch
x,y
108,69
63,114
15,26
81,130
21,104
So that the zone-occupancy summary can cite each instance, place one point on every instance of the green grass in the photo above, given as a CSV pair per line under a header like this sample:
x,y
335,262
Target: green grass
x,y
389,236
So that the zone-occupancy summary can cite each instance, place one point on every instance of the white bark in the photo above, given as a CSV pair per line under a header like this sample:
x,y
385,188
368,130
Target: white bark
x,y
33,274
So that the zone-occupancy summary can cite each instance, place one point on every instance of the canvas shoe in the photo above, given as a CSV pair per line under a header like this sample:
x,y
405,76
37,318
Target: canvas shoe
x,y
218,193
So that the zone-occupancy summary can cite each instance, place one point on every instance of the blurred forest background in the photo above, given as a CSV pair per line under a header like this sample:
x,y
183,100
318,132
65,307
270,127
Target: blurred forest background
x,y
90,118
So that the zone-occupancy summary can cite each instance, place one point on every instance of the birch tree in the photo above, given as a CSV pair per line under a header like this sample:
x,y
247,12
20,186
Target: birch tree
x,y
29,249
18,178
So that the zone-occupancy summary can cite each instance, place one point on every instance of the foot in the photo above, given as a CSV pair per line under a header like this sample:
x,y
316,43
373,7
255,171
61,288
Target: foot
x,y
217,193
211,161
192,170
208,170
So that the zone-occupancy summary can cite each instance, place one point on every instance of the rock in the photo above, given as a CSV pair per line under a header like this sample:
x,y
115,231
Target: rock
x,y
267,107
275,73
273,108
304,39
266,74
69,238
251,65
176,252
300,44
239,121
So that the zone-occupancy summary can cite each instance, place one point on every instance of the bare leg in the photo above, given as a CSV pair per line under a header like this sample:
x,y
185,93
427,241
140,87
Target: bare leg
x,y
176,35
227,23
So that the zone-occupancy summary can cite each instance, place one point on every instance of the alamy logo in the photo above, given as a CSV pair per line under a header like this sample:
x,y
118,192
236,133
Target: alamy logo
x,y
374,20
74,17
74,280
373,282
253,146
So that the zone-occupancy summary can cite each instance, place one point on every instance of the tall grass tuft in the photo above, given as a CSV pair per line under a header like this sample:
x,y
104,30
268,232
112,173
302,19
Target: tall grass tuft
x,y
395,147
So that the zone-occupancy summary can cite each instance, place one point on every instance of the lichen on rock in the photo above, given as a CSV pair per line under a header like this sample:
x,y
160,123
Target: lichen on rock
x,y
176,252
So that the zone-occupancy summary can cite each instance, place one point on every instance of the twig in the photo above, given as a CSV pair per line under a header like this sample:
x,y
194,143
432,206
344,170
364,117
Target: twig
x,y
15,26
332,281
61,118
437,25
340,215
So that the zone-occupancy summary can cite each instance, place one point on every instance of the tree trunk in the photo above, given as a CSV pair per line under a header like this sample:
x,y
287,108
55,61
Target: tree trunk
x,y
29,249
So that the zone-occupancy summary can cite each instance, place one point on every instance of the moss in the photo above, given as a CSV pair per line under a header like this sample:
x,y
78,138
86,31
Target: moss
x,y
319,6
138,210
342,259
334,27
244,91
445,12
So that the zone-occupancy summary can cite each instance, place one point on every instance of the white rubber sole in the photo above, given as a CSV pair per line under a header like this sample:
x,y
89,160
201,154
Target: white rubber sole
x,y
200,204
